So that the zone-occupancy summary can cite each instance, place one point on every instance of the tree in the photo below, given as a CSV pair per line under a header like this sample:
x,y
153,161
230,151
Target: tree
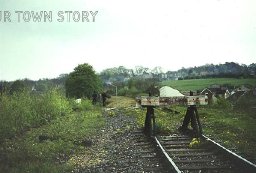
x,y
82,82
139,70
17,86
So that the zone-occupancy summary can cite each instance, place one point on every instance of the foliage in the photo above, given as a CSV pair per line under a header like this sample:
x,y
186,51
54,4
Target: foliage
x,y
123,91
63,141
246,103
119,73
85,105
222,103
227,70
4,87
17,86
132,92
23,110
82,82
137,86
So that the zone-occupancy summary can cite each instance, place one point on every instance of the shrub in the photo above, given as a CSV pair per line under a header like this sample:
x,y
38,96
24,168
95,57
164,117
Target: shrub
x,y
223,104
246,102
122,92
133,92
85,105
23,110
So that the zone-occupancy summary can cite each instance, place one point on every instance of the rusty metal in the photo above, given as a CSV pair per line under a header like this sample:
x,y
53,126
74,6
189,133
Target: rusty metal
x,y
172,164
211,157
166,101
239,159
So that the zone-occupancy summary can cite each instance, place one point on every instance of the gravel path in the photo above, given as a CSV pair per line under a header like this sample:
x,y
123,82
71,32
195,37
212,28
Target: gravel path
x,y
120,147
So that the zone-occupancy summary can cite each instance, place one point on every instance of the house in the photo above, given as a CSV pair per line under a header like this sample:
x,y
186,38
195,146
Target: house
x,y
219,91
243,88
209,94
227,94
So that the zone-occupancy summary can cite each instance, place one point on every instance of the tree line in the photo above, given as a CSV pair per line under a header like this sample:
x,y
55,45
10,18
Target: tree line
x,y
228,69
84,80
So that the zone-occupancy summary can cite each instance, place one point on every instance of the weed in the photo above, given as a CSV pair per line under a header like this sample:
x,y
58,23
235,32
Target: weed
x,y
24,110
50,139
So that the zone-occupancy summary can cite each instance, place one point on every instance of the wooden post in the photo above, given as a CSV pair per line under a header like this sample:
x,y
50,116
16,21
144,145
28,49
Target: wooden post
x,y
198,122
148,130
154,124
193,118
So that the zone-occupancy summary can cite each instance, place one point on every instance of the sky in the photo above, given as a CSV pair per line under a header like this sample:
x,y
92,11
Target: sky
x,y
168,33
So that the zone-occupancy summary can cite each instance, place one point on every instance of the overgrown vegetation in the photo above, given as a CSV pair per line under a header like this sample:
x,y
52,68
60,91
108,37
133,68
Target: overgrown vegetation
x,y
40,133
232,128
24,110
43,131
247,103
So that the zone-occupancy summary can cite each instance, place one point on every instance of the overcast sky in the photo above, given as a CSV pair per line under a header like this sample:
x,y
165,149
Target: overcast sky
x,y
171,34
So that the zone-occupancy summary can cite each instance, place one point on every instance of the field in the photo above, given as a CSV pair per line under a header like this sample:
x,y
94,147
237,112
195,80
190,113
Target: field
x,y
200,84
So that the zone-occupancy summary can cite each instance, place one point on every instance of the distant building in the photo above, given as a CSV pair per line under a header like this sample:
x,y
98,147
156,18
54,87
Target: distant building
x,y
227,94
209,94
218,90
235,96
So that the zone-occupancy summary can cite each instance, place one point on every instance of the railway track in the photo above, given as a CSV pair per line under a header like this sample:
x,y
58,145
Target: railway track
x,y
173,154
149,155
208,157
164,154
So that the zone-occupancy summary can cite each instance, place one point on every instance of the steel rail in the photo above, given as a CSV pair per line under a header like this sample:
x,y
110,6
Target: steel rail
x,y
251,166
174,166
242,162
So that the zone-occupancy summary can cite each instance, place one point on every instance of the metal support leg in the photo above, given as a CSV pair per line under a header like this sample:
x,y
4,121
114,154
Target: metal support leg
x,y
193,117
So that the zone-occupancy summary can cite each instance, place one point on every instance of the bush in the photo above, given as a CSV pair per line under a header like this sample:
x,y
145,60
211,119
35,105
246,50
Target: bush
x,y
54,146
85,105
122,92
132,92
24,110
246,102
223,104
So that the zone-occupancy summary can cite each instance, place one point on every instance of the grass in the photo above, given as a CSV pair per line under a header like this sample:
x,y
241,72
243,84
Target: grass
x,y
53,146
232,128
56,153
24,110
200,84
120,101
